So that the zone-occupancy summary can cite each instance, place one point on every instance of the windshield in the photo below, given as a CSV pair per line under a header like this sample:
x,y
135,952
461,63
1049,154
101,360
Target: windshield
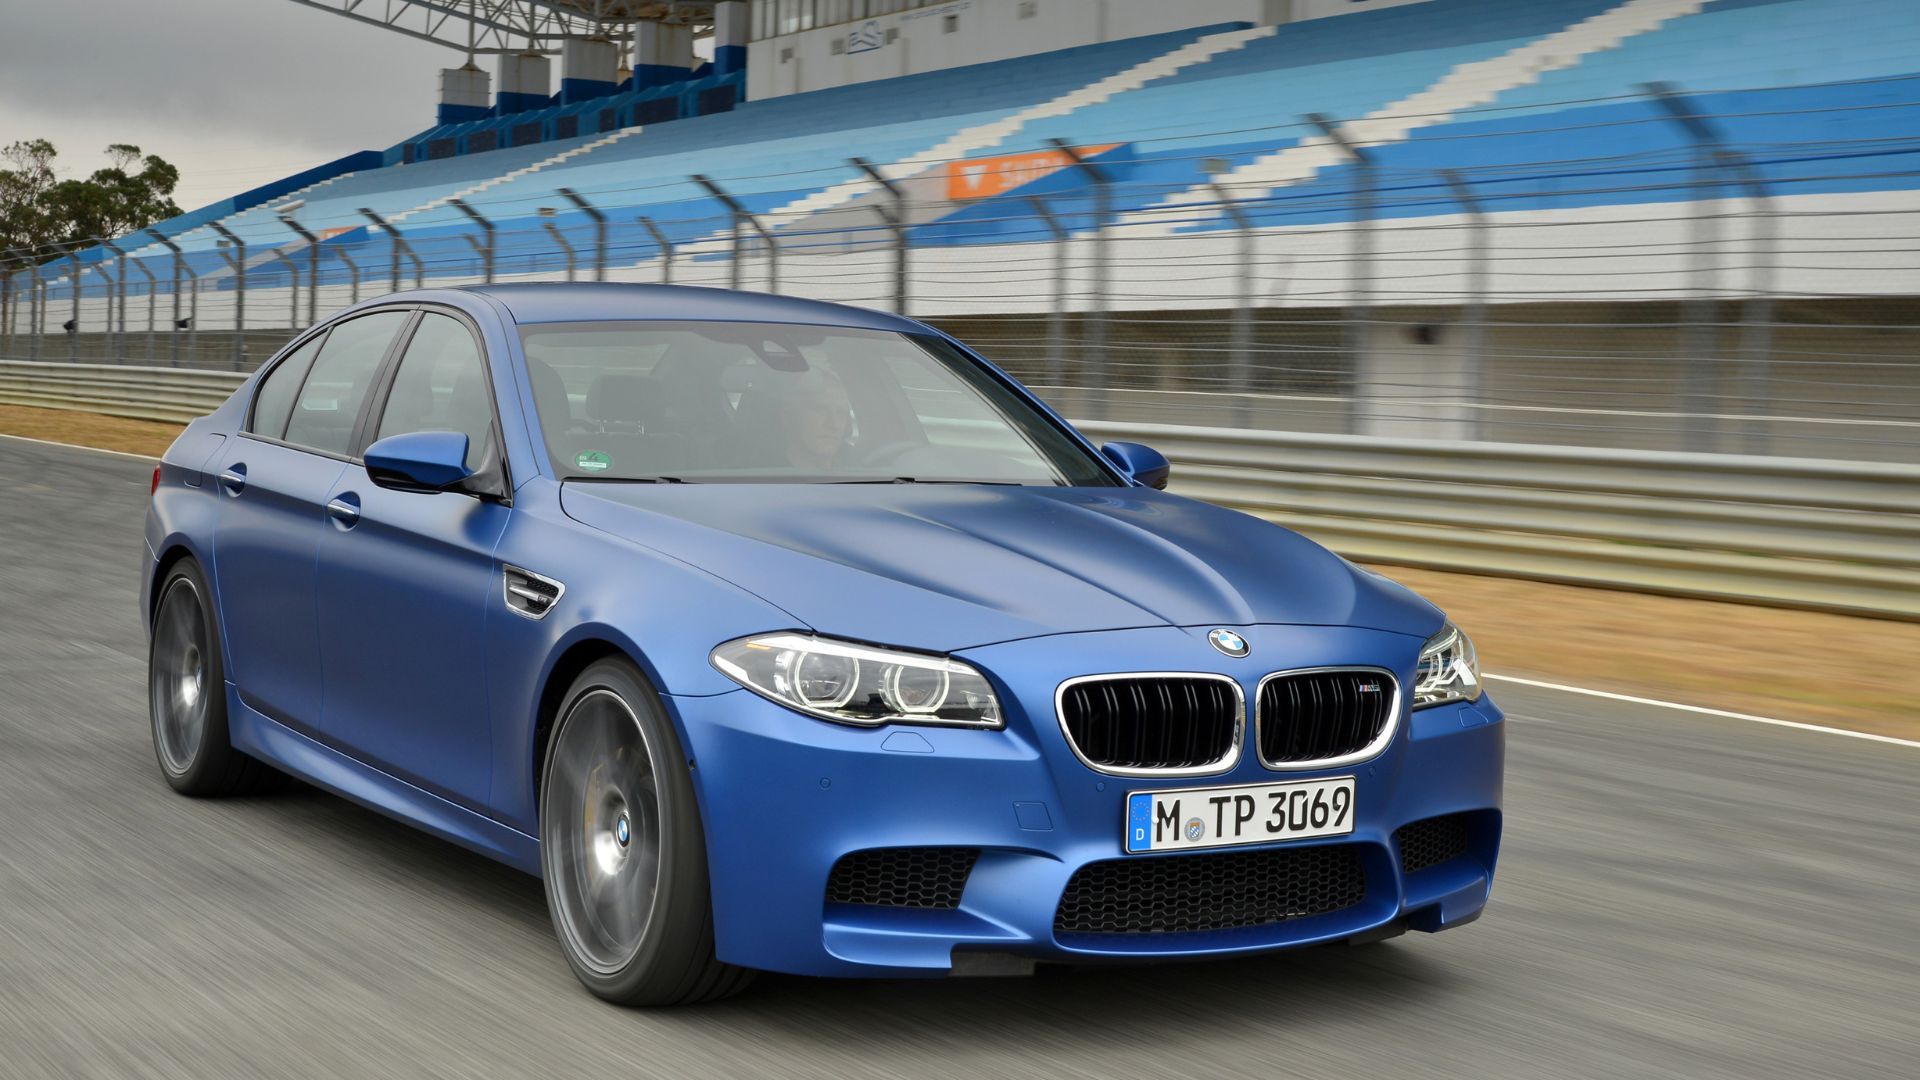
x,y
773,403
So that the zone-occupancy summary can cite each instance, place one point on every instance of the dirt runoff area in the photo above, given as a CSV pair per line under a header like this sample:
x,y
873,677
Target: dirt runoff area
x,y
1816,668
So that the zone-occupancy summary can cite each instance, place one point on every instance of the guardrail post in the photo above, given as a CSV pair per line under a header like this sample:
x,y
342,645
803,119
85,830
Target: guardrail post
x,y
894,217
1097,307
1241,347
237,259
599,230
400,247
1473,314
666,249
546,218
485,248
739,216
1057,313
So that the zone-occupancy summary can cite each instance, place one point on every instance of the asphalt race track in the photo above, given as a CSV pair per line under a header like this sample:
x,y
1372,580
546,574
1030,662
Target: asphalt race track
x,y
1679,896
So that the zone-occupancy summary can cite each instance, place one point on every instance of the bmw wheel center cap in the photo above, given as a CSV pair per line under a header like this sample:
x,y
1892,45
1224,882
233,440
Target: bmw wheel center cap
x,y
1228,642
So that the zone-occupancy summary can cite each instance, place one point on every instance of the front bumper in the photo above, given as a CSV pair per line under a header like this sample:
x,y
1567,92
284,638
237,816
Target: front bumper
x,y
784,797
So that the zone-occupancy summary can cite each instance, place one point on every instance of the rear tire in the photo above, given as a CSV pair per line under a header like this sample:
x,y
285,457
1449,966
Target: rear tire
x,y
187,694
622,850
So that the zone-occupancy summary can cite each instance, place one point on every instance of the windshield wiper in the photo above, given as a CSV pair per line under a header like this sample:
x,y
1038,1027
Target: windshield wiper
x,y
917,480
629,479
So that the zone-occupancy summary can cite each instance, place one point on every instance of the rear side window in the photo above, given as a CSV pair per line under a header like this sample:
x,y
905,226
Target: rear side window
x,y
273,402
440,386
329,403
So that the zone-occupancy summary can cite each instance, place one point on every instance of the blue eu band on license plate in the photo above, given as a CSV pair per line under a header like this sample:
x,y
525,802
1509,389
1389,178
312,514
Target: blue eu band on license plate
x,y
1190,818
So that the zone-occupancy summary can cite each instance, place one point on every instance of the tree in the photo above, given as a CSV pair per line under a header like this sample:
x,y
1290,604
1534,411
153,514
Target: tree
x,y
45,215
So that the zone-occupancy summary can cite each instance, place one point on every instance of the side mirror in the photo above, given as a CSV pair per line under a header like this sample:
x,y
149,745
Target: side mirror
x,y
419,461
1143,464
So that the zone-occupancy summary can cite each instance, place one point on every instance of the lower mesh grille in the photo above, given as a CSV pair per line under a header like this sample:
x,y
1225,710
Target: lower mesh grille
x,y
1226,891
1431,842
902,877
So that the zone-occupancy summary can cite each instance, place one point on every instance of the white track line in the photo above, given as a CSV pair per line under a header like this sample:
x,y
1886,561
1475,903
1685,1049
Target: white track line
x,y
1536,683
77,446
1703,711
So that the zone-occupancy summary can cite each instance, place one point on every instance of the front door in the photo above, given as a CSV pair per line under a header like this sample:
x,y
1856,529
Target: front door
x,y
404,579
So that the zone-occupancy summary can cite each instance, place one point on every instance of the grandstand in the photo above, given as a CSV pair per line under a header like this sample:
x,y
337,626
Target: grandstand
x,y
1344,143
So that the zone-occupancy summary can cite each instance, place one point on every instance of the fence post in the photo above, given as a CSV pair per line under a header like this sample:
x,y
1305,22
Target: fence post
x,y
36,309
76,274
400,247
1239,362
237,259
1096,404
1473,315
6,309
599,230
120,287
895,219
666,249
173,336
1756,321
285,214
1698,430
112,343
546,218
293,290
1057,313
740,214
1360,304
353,274
485,248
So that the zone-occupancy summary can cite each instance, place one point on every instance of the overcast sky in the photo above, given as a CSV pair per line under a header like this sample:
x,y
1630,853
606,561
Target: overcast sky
x,y
234,92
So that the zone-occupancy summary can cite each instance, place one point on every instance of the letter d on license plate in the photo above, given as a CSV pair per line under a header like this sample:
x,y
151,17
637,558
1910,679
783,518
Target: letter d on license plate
x,y
1227,816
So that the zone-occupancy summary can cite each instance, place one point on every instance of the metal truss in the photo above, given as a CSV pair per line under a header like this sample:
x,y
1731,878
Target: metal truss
x,y
514,26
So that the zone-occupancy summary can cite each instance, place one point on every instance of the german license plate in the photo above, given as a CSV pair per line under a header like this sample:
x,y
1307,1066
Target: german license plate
x,y
1228,816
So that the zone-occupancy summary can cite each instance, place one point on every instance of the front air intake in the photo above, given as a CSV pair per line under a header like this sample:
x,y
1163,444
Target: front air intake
x,y
1171,724
1173,894
928,877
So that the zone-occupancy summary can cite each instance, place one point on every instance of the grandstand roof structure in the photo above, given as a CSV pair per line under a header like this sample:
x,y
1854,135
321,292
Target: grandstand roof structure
x,y
514,26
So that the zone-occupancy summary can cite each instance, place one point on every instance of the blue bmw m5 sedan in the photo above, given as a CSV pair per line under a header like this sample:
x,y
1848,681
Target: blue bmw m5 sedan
x,y
782,635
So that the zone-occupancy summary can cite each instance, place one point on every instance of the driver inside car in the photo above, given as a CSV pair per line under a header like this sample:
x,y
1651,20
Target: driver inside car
x,y
816,416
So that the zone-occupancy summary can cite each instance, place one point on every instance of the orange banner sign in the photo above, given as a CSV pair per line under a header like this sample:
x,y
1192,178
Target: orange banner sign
x,y
983,178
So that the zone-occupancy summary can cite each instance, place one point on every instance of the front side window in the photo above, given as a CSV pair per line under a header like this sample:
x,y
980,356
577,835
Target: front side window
x,y
441,386
336,387
773,403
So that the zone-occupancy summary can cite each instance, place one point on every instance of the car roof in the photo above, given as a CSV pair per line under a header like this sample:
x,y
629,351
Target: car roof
x,y
562,301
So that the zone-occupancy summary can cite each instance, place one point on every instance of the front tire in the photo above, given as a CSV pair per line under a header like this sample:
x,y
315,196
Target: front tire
x,y
622,850
187,693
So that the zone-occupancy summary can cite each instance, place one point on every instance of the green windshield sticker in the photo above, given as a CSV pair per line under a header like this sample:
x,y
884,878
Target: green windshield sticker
x,y
592,461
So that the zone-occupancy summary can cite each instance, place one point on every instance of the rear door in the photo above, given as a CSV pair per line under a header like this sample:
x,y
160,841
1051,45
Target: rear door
x,y
404,583
275,479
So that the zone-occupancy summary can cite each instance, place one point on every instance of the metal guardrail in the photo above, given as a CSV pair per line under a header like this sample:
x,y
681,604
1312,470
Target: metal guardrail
x,y
1828,535
172,395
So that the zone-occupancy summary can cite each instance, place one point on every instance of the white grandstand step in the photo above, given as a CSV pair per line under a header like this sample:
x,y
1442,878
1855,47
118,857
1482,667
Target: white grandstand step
x,y
985,136
1475,83
525,170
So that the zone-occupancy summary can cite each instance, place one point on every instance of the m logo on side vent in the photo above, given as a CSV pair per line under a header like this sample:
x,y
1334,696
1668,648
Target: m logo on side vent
x,y
529,594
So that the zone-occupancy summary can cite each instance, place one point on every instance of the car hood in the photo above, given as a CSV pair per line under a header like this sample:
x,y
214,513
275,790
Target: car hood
x,y
947,567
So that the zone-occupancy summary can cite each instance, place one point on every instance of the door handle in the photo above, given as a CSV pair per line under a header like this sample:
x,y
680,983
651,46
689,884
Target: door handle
x,y
233,479
344,510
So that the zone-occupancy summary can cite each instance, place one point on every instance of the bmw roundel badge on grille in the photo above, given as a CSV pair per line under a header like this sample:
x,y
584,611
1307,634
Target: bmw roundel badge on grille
x,y
1228,642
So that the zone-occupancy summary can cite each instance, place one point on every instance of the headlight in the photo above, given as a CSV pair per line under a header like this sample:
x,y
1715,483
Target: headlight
x,y
1449,670
859,684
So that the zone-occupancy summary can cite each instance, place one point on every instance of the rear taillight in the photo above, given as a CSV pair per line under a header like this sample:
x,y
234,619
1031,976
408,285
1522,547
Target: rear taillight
x,y
155,486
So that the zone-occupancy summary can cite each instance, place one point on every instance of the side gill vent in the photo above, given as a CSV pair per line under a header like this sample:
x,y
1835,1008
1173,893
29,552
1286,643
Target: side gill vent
x,y
529,594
